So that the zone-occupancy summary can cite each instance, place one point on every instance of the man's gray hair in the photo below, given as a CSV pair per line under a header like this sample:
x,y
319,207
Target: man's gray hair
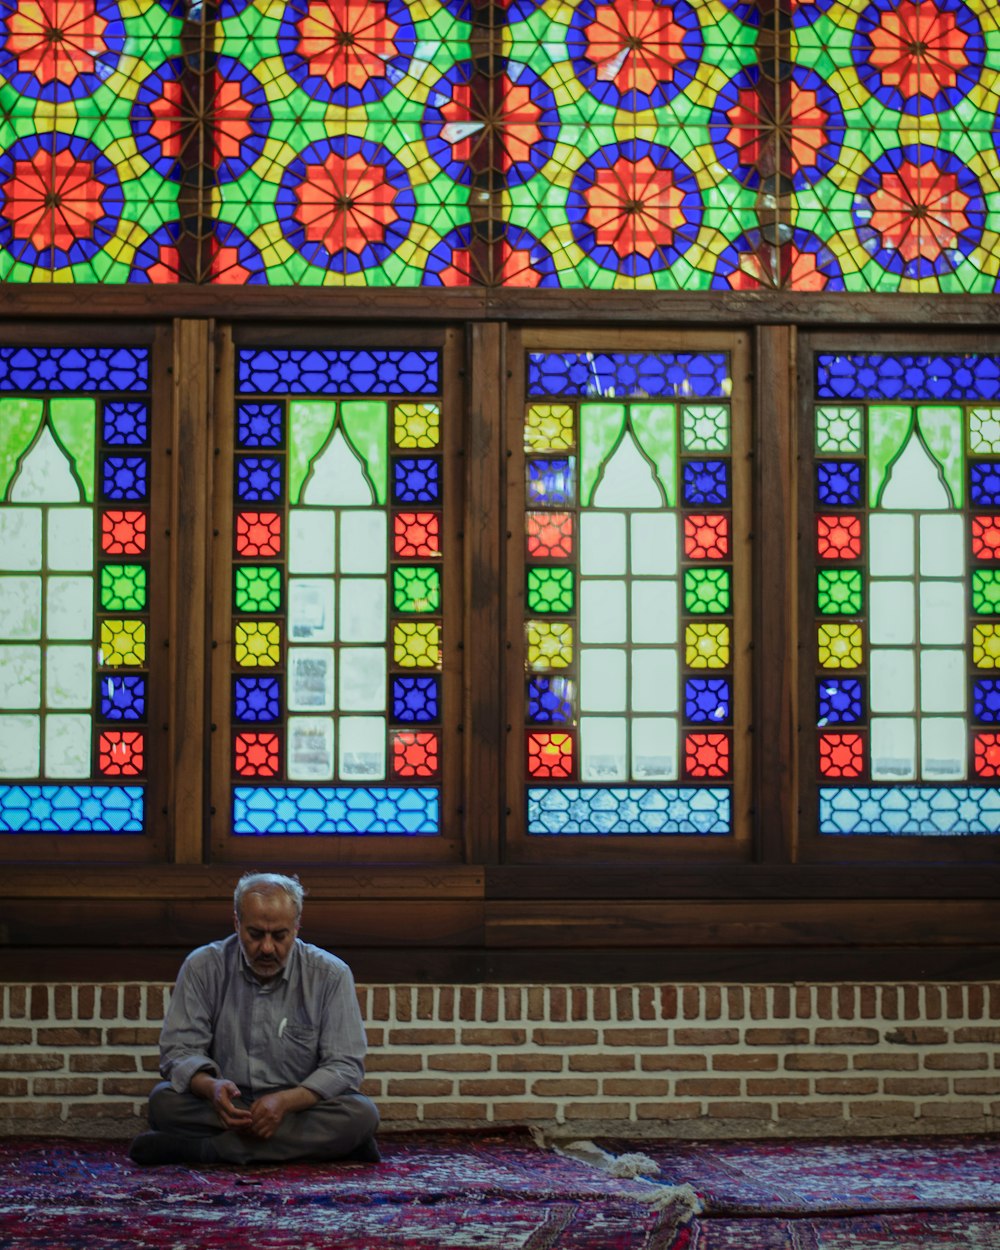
x,y
268,883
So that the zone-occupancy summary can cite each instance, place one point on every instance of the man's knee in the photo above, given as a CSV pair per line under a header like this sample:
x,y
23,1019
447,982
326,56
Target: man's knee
x,y
162,1098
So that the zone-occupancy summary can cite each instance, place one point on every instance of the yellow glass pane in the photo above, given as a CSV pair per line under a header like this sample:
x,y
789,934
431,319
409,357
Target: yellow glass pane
x,y
257,644
707,646
839,646
986,646
416,644
416,425
123,643
549,427
550,644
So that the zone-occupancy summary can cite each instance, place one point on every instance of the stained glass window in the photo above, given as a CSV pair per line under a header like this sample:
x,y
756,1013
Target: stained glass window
x,y
74,589
906,564
338,592
629,644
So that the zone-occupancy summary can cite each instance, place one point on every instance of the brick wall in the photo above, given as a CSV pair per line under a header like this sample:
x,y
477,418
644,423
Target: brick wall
x,y
679,1060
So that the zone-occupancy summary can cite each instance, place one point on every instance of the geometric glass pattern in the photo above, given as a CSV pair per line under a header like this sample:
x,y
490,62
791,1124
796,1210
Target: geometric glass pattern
x,y
628,594
337,592
74,588
906,569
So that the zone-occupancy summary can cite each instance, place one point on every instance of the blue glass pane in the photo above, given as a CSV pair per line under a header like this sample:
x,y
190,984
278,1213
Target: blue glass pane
x,y
838,483
124,477
72,809
706,481
929,811
623,374
550,700
305,371
986,700
335,809
416,479
258,479
123,698
552,482
839,701
707,699
259,425
631,810
902,376
984,484
74,369
256,699
126,423
415,699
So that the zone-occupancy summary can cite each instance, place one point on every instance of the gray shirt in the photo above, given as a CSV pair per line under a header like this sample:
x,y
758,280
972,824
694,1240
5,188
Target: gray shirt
x,y
302,1028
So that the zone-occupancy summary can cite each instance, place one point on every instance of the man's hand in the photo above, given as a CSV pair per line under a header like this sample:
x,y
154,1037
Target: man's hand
x,y
220,1093
268,1112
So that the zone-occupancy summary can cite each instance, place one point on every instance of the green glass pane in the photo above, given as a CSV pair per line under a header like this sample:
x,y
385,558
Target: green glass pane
x,y
839,592
75,422
19,421
601,427
367,427
839,431
706,591
705,427
986,592
655,429
123,588
416,589
550,590
258,589
941,426
889,427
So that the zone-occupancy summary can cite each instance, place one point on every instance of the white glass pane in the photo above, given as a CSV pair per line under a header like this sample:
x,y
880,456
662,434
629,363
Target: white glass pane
x,y
310,748
654,611
362,748
890,545
310,609
942,748
942,545
69,607
654,543
602,611
67,746
892,619
68,677
45,475
654,748
20,538
20,677
942,681
20,607
602,544
942,613
627,479
362,542
892,681
362,679
602,681
893,748
71,539
310,679
19,746
311,546
654,680
362,609
603,749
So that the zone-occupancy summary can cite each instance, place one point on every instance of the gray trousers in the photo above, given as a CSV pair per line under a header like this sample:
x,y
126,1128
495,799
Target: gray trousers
x,y
329,1130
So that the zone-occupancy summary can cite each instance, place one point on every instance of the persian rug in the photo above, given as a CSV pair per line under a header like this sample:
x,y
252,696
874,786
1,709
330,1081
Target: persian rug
x,y
926,1230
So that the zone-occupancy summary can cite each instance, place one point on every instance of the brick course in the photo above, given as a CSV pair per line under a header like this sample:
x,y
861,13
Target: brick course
x,y
693,1061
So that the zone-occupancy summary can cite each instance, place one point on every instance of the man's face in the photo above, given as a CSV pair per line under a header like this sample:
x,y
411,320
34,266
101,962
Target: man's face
x,y
267,930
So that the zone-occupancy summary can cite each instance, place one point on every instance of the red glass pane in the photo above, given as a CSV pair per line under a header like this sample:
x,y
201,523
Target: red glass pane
x,y
550,755
258,534
123,533
986,537
841,755
838,537
256,754
416,534
706,755
550,535
987,752
415,754
706,537
121,753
